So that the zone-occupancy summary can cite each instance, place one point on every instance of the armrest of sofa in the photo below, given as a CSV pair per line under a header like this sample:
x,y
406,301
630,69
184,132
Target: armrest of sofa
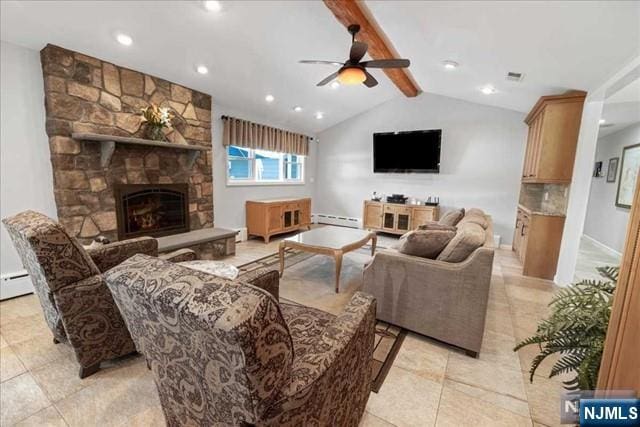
x,y
334,373
446,301
180,255
112,254
266,278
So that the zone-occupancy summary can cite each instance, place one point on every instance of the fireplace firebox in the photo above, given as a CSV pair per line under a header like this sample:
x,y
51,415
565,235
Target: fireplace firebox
x,y
151,209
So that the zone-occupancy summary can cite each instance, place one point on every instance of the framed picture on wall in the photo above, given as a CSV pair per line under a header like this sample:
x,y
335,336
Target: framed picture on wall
x,y
628,175
597,170
612,170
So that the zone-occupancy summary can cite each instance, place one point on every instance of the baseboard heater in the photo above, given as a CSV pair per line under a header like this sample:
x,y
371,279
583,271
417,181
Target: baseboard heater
x,y
15,284
343,221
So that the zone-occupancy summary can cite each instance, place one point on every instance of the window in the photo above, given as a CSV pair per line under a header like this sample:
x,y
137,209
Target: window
x,y
248,166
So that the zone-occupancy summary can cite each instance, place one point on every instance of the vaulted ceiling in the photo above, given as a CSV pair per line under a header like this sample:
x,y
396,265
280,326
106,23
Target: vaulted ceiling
x,y
252,48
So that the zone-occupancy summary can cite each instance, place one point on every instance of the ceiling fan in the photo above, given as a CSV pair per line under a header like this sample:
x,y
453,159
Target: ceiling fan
x,y
353,71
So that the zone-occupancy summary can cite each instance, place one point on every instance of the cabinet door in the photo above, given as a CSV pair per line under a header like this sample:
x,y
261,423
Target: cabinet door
x,y
537,146
516,233
422,216
287,219
373,216
305,212
524,234
274,215
403,219
526,168
389,221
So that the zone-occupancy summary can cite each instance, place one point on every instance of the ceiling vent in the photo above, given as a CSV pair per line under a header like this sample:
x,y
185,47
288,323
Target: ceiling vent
x,y
515,77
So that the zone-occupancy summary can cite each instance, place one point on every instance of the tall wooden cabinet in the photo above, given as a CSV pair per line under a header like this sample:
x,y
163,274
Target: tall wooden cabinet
x,y
554,124
266,218
396,218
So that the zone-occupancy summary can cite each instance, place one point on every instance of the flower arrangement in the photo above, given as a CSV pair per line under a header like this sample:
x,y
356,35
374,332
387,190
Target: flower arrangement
x,y
156,118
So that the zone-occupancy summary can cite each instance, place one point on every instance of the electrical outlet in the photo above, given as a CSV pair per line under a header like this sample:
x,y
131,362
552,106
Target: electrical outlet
x,y
546,196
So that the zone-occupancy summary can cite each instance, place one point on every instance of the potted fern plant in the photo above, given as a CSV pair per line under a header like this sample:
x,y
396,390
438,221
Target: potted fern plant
x,y
576,330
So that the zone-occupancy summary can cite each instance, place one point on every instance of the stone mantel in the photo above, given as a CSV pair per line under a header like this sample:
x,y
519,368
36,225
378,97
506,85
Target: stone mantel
x,y
108,146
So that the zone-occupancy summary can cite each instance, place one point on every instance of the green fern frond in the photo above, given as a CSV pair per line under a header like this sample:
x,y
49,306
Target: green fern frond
x,y
575,330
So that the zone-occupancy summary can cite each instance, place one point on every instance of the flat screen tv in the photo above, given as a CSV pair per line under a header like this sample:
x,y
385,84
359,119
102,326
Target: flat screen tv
x,y
407,152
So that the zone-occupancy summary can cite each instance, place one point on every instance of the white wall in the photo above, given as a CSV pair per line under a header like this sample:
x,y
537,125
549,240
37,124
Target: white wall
x,y
583,169
229,201
481,160
26,180
605,222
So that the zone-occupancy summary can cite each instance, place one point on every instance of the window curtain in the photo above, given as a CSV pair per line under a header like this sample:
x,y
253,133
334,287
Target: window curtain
x,y
243,133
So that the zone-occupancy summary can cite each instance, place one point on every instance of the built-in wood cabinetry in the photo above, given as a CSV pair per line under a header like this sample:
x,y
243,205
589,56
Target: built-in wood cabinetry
x,y
396,218
266,218
554,124
536,241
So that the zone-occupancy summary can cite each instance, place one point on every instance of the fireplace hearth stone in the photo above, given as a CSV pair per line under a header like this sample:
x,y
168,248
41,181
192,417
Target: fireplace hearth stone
x,y
208,243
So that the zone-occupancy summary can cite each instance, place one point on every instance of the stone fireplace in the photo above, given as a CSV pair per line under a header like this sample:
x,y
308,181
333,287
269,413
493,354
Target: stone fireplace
x,y
91,96
151,209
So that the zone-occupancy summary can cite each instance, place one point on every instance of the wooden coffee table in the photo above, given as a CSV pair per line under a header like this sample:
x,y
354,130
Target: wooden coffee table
x,y
329,240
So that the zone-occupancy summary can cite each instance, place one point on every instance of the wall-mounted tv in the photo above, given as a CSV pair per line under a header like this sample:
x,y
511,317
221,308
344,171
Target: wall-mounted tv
x,y
407,152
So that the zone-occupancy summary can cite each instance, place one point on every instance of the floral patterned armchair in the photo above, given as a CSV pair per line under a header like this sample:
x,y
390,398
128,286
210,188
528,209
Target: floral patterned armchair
x,y
228,353
77,304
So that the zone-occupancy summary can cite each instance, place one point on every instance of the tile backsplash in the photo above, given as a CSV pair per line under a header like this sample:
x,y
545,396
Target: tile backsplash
x,y
545,198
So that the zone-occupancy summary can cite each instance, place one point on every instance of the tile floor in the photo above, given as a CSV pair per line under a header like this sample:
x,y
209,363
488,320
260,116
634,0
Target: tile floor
x,y
429,383
592,255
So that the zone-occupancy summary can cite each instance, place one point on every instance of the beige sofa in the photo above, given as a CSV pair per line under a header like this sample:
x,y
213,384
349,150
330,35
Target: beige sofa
x,y
442,300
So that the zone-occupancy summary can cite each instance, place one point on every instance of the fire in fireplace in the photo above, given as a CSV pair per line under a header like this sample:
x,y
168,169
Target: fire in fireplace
x,y
151,209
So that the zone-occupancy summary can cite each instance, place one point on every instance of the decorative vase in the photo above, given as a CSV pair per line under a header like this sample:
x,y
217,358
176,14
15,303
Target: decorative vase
x,y
154,132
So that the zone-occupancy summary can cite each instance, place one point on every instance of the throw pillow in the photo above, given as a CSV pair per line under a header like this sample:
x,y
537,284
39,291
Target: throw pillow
x,y
481,220
434,225
215,268
470,236
452,217
425,243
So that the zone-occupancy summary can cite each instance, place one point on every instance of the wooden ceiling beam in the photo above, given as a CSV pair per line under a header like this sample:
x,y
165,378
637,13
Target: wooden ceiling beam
x,y
352,12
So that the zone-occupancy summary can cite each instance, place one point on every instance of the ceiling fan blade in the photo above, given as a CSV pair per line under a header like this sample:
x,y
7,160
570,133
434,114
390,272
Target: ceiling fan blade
x,y
370,81
328,79
386,63
358,49
313,61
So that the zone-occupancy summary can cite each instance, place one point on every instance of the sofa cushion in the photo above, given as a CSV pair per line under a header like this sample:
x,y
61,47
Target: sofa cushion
x,y
475,211
452,217
470,236
425,243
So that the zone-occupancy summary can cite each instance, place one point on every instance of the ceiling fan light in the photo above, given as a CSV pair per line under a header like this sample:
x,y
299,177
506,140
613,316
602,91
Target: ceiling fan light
x,y
352,76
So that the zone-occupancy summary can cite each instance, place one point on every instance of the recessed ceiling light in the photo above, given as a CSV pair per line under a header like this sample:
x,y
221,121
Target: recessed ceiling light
x,y
450,65
488,90
269,98
602,121
213,6
319,115
202,69
297,108
124,39
335,84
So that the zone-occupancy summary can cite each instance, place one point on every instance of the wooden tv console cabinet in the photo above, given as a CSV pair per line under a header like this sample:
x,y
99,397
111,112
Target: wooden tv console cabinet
x,y
266,218
396,218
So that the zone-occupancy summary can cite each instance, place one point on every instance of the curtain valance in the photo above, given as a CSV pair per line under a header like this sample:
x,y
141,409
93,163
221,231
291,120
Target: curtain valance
x,y
243,133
